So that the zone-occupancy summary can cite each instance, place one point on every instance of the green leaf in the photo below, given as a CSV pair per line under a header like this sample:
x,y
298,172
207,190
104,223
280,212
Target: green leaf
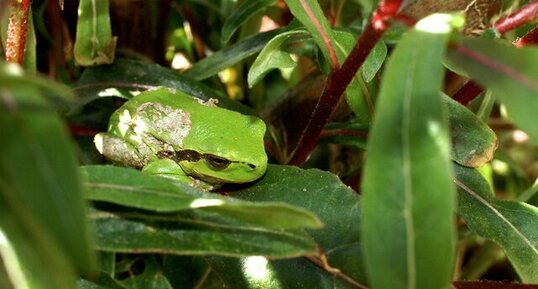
x,y
32,257
190,235
134,189
38,179
272,57
309,13
231,55
320,192
125,77
12,76
510,224
94,44
257,272
239,16
408,231
506,70
374,61
473,142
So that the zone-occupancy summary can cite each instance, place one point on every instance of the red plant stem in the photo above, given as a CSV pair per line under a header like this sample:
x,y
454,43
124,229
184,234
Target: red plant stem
x,y
16,31
340,79
471,89
467,92
522,16
531,38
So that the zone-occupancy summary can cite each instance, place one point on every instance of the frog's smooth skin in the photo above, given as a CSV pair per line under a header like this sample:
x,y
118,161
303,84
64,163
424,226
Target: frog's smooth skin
x,y
172,134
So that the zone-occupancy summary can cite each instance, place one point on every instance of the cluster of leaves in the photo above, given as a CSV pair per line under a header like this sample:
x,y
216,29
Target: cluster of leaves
x,y
421,209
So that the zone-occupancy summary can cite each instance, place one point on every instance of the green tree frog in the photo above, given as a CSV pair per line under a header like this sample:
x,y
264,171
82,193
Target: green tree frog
x,y
172,134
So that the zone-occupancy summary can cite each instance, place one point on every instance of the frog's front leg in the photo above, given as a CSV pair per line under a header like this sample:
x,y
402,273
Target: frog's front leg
x,y
119,151
168,168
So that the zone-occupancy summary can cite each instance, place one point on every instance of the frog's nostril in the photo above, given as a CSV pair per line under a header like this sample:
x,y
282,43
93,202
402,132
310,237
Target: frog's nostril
x,y
252,166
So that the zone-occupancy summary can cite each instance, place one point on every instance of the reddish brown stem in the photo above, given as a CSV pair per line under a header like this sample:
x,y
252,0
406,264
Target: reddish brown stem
x,y
531,38
340,79
471,89
468,92
16,31
520,17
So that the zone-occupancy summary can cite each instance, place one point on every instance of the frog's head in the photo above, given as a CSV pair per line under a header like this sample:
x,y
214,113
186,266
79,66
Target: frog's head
x,y
229,148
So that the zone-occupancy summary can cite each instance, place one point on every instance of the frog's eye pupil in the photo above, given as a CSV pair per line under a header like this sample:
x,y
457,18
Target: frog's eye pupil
x,y
217,162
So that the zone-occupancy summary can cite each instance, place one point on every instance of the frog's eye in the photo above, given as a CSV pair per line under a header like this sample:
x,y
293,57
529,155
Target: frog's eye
x,y
217,163
188,155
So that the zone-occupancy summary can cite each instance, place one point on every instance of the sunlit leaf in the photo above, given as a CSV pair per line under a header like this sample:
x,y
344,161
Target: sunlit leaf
x,y
272,57
94,44
322,193
309,13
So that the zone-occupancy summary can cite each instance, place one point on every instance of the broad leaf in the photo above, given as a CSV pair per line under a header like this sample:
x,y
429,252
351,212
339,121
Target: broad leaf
x,y
272,57
505,70
408,204
335,204
260,273
510,224
239,16
131,188
94,44
231,55
309,13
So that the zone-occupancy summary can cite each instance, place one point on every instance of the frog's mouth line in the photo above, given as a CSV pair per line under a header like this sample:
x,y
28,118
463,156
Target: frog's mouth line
x,y
217,163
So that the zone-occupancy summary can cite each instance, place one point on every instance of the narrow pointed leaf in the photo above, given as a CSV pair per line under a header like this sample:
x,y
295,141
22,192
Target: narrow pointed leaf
x,y
31,257
374,61
510,224
134,189
239,16
231,55
309,13
507,71
408,202
36,180
195,237
94,44
126,77
272,57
